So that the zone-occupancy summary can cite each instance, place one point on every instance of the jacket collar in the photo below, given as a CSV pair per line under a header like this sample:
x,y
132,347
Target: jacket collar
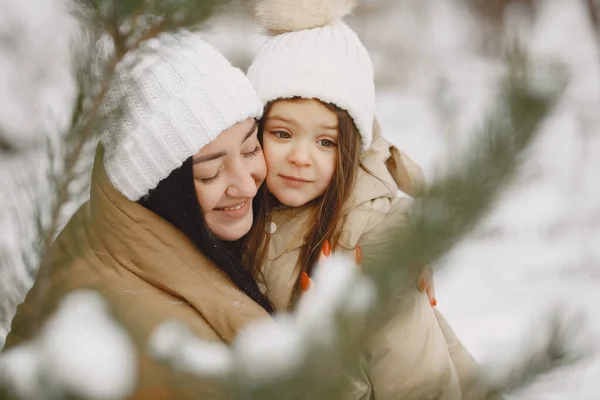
x,y
160,254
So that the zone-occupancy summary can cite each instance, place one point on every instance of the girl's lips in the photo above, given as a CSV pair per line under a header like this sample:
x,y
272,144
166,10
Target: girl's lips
x,y
293,178
235,211
293,182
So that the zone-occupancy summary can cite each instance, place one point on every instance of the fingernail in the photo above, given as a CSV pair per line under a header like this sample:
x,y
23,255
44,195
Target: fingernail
x,y
434,303
326,248
305,282
358,254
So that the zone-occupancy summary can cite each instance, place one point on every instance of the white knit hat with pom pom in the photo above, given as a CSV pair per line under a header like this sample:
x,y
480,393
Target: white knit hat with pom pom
x,y
311,53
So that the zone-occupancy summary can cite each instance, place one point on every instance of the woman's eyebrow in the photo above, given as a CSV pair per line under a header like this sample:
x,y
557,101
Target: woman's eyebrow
x,y
209,157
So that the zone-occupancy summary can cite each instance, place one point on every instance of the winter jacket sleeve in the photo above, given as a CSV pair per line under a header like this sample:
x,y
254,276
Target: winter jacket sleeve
x,y
416,354
381,215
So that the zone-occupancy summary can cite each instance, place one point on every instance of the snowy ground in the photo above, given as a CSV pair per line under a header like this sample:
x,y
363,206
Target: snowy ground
x,y
540,247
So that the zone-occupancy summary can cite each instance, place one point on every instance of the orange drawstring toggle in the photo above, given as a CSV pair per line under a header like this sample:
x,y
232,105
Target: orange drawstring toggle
x,y
304,282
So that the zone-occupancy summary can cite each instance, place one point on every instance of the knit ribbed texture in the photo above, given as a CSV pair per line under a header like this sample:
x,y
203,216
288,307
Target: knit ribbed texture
x,y
167,100
328,63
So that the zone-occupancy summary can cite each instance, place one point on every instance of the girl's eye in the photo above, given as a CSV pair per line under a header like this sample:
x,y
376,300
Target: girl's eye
x,y
327,143
253,153
212,178
281,135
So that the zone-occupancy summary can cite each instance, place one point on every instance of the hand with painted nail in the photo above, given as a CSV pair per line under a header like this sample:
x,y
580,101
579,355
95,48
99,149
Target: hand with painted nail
x,y
425,284
305,282
325,252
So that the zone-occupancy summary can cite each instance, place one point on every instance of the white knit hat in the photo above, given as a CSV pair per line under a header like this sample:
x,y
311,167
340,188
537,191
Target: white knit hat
x,y
167,100
313,54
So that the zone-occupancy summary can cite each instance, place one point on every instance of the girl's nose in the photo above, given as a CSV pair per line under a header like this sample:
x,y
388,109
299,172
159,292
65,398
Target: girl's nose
x,y
299,155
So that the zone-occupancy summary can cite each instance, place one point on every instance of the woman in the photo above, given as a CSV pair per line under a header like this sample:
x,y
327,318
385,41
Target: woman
x,y
172,193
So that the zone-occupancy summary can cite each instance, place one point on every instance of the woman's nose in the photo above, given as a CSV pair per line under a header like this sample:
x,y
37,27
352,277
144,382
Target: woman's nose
x,y
243,183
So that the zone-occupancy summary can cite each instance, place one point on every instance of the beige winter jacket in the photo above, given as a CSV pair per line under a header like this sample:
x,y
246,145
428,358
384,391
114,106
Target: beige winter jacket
x,y
416,355
150,272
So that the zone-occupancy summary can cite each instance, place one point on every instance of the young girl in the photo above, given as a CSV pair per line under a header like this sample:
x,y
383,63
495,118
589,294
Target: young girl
x,y
335,180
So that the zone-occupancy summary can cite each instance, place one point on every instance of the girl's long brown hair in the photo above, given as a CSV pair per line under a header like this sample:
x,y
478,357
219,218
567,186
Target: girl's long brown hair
x,y
328,210
255,244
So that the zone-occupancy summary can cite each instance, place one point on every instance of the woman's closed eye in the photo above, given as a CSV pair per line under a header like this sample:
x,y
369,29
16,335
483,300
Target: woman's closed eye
x,y
211,179
254,152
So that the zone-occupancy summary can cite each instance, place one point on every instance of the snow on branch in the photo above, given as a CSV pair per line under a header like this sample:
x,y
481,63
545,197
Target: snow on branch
x,y
80,352
268,352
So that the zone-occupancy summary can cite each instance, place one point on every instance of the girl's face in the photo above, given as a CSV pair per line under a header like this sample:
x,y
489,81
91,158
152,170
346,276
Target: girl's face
x,y
300,144
227,175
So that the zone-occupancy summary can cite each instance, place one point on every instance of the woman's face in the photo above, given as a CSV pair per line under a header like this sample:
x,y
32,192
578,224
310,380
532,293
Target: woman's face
x,y
227,175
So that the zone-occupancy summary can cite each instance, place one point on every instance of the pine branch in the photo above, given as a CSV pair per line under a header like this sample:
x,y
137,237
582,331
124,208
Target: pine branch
x,y
593,7
176,14
559,348
5,146
81,134
455,203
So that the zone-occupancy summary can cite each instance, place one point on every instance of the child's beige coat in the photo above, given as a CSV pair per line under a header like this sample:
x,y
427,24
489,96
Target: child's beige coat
x,y
416,355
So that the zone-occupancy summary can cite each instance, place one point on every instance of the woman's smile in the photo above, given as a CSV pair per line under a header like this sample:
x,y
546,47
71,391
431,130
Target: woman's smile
x,y
235,211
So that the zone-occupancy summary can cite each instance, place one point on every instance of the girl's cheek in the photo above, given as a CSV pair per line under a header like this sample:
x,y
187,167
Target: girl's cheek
x,y
270,158
266,146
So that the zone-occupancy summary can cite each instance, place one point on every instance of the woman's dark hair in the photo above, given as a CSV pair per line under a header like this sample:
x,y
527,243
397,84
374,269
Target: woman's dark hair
x,y
175,200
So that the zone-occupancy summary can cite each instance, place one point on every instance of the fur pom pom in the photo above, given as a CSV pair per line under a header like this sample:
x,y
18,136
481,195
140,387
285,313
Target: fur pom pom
x,y
280,16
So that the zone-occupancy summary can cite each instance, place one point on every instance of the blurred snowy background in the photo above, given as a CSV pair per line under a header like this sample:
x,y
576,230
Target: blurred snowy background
x,y
436,65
